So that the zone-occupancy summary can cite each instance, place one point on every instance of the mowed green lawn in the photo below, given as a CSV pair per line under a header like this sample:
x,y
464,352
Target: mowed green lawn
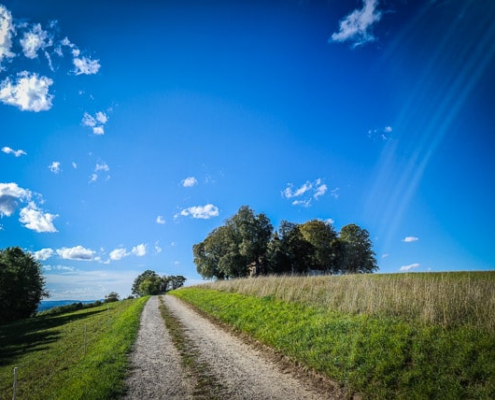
x,y
428,336
82,354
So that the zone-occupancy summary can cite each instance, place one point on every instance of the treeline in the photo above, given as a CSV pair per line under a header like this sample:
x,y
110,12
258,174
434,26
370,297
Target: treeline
x,y
150,283
247,245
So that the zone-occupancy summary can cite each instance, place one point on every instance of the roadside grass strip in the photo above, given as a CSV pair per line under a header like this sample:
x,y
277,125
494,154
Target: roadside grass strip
x,y
380,357
78,355
206,384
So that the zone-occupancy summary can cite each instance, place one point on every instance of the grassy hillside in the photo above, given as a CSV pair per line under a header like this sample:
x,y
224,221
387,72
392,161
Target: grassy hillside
x,y
49,352
410,336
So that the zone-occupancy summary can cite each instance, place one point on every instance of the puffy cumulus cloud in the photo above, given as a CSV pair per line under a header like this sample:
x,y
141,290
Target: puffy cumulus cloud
x,y
118,254
356,27
410,267
410,239
160,220
6,32
16,153
96,123
29,92
201,212
190,181
35,219
85,66
306,193
55,167
43,254
34,40
78,253
11,195
139,250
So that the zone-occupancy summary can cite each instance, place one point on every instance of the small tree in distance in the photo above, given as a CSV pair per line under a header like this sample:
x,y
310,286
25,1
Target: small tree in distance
x,y
149,283
112,297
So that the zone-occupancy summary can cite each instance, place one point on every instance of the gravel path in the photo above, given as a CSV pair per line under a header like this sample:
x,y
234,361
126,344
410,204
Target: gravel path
x,y
156,371
243,371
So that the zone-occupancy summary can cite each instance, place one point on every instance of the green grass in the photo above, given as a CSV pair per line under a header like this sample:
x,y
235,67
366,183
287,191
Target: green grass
x,y
378,355
50,356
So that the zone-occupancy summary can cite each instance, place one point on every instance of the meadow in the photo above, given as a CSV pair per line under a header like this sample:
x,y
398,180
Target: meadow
x,y
409,336
75,355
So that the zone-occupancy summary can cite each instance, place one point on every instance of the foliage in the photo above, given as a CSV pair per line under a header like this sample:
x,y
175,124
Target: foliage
x,y
228,250
246,244
69,308
378,356
22,285
111,297
149,283
49,352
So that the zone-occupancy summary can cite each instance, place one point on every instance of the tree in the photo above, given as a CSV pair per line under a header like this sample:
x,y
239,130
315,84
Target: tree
x,y
22,285
321,235
112,297
148,283
176,281
229,249
356,248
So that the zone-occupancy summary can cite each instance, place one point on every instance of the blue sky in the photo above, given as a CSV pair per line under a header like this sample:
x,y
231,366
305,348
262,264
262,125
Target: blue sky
x,y
128,133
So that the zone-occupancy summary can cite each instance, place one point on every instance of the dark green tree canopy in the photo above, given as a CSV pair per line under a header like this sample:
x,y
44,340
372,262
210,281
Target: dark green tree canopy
x,y
22,285
150,283
247,243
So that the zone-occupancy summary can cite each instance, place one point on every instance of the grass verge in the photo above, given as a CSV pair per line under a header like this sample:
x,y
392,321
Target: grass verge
x,y
49,352
378,356
207,386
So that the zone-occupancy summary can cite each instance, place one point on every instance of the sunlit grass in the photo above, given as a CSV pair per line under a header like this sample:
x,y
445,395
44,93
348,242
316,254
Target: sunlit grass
x,y
448,299
390,350
49,352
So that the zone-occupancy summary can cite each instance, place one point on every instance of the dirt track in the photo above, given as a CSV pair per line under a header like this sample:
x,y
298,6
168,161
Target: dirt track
x,y
243,371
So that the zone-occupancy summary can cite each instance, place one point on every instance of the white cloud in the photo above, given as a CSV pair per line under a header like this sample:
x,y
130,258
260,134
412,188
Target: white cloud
x,y
85,66
385,255
118,254
34,219
6,32
190,181
34,40
43,254
74,165
139,250
160,220
356,27
158,249
103,166
306,193
10,197
28,93
388,129
17,153
78,253
55,167
409,267
381,134
201,212
96,123
410,239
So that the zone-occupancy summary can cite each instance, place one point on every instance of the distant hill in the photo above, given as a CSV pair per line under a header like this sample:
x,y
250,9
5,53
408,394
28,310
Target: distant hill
x,y
47,304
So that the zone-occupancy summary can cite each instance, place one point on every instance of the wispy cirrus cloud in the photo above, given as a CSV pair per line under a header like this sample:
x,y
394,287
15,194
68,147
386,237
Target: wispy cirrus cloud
x,y
410,267
99,169
200,212
306,193
16,153
410,239
356,27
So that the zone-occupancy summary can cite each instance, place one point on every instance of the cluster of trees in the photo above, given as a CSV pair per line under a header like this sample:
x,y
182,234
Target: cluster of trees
x,y
150,283
22,285
247,245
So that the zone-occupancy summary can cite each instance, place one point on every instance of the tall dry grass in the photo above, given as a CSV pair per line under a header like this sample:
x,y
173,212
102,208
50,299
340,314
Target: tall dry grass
x,y
448,299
